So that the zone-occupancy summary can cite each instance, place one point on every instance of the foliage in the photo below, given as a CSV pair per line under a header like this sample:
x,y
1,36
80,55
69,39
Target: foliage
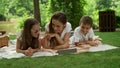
x,y
45,15
21,7
95,18
4,6
90,10
103,4
94,6
16,7
73,9
117,12
21,22
116,8
117,21
2,17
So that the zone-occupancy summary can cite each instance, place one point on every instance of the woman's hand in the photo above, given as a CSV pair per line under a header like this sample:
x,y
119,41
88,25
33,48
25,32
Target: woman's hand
x,y
29,52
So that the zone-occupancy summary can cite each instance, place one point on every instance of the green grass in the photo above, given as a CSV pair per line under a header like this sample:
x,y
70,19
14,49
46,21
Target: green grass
x,y
12,37
112,38
104,59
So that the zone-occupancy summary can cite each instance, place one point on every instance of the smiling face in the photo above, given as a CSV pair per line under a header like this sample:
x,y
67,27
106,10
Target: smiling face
x,y
35,30
85,24
85,28
57,26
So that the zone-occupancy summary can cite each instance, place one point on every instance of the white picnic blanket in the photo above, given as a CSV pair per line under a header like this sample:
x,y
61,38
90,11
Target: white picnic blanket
x,y
10,51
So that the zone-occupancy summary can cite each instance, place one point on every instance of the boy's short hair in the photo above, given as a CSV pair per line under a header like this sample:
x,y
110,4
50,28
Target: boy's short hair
x,y
86,20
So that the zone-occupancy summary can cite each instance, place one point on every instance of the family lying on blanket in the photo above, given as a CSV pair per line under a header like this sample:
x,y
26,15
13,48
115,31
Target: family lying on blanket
x,y
57,35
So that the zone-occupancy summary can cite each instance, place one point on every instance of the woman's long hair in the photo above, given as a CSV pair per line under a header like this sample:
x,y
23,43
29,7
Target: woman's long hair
x,y
60,17
27,40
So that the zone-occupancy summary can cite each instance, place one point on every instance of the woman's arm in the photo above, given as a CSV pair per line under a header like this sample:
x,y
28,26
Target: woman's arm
x,y
35,50
65,39
27,52
64,46
59,39
18,47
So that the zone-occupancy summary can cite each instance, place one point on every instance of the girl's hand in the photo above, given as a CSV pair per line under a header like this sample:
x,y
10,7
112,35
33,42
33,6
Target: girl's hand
x,y
79,43
30,49
29,52
50,35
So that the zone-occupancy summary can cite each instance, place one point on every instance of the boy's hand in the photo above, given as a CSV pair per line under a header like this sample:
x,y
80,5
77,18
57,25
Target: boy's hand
x,y
79,43
92,43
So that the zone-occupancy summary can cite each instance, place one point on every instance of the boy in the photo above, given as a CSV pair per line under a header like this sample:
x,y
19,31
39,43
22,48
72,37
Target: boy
x,y
84,35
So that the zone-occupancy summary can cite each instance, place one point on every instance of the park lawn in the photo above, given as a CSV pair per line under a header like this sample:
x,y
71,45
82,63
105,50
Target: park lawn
x,y
104,59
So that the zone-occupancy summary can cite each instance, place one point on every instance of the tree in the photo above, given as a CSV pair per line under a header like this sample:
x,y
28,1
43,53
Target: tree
x,y
16,7
103,4
37,10
72,8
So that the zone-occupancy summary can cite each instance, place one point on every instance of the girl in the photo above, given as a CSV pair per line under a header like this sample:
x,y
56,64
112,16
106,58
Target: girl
x,y
27,39
57,32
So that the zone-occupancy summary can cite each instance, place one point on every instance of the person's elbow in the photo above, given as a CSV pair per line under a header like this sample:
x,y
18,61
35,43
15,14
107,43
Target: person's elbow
x,y
17,50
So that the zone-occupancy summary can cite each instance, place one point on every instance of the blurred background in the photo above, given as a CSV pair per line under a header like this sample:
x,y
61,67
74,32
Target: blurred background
x,y
14,12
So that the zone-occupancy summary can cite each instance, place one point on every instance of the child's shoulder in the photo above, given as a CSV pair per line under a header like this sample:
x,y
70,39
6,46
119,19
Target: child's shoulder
x,y
77,28
19,33
68,24
68,27
91,29
47,24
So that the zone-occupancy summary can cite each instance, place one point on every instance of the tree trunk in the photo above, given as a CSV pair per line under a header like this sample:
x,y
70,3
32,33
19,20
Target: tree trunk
x,y
37,10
